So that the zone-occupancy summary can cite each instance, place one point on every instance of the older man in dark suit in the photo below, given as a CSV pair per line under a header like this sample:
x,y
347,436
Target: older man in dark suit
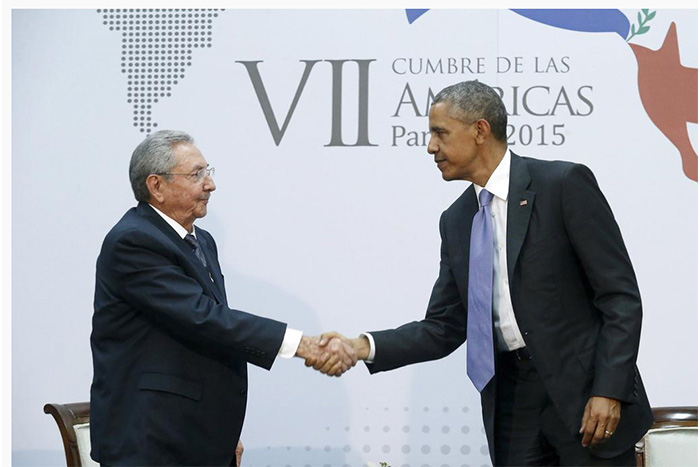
x,y
169,355
535,276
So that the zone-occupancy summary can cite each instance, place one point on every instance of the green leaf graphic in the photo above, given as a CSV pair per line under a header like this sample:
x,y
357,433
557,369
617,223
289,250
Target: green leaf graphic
x,y
641,27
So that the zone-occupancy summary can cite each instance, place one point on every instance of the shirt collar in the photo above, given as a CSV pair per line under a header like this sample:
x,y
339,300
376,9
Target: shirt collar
x,y
499,180
180,230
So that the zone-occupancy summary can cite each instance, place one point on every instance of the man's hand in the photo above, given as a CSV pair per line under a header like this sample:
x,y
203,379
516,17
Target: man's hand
x,y
239,453
334,358
359,344
600,419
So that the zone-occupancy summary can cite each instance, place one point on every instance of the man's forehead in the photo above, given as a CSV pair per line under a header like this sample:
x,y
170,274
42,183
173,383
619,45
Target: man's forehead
x,y
440,116
188,154
440,110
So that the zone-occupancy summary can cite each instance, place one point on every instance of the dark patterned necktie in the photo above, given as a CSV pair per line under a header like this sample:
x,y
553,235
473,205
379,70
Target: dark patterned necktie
x,y
480,357
192,241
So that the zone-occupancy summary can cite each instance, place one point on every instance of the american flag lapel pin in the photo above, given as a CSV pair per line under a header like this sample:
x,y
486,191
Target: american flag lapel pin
x,y
523,202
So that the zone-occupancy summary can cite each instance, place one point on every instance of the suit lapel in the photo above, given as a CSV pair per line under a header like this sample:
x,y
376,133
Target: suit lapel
x,y
459,231
213,265
520,204
203,275
464,223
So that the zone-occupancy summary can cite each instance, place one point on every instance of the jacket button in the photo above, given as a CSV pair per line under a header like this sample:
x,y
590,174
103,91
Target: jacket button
x,y
243,392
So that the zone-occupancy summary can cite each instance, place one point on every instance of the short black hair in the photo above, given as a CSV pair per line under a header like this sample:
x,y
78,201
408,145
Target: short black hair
x,y
473,100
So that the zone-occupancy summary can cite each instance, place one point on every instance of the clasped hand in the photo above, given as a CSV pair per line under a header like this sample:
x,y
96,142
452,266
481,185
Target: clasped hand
x,y
332,355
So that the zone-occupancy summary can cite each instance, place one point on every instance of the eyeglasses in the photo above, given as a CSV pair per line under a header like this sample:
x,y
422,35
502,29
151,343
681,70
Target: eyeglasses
x,y
196,177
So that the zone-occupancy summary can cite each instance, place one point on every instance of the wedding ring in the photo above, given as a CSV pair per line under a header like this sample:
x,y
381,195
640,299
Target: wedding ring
x,y
609,433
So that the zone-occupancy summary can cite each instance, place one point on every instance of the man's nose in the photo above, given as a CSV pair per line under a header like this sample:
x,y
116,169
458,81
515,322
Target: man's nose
x,y
209,184
432,146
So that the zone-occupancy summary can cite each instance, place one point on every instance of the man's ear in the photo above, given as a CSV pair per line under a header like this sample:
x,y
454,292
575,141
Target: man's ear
x,y
155,187
483,131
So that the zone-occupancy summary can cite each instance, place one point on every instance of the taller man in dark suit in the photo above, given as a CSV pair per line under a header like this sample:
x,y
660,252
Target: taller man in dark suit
x,y
169,355
553,314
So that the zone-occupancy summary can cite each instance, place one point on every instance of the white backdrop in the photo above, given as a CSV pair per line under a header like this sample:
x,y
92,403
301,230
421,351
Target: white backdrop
x,y
328,237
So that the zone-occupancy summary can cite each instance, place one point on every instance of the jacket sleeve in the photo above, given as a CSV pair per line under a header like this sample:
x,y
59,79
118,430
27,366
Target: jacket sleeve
x,y
441,331
597,241
149,276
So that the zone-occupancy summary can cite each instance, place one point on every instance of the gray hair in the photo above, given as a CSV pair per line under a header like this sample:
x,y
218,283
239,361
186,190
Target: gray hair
x,y
154,155
471,101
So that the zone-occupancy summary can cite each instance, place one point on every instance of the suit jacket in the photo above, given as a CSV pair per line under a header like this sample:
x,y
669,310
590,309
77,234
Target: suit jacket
x,y
169,356
573,290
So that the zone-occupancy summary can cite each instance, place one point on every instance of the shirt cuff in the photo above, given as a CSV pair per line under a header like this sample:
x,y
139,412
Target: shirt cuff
x,y
290,343
370,357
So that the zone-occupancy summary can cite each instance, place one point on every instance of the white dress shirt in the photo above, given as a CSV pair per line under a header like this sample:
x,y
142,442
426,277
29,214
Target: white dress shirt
x,y
508,335
292,337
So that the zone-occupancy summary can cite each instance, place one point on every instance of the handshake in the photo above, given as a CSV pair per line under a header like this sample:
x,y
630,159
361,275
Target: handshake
x,y
332,353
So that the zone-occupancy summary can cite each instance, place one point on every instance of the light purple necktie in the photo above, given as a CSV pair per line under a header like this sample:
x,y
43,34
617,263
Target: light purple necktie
x,y
480,357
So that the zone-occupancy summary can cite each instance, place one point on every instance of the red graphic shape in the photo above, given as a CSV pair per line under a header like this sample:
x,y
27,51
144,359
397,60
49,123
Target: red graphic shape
x,y
669,93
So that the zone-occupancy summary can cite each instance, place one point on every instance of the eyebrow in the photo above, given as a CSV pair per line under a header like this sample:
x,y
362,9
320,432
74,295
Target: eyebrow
x,y
437,128
199,167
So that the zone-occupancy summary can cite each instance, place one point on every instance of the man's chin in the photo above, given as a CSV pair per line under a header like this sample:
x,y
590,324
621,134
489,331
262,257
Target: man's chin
x,y
202,211
447,177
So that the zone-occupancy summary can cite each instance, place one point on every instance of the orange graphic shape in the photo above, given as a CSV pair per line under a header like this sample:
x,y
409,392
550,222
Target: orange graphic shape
x,y
669,93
